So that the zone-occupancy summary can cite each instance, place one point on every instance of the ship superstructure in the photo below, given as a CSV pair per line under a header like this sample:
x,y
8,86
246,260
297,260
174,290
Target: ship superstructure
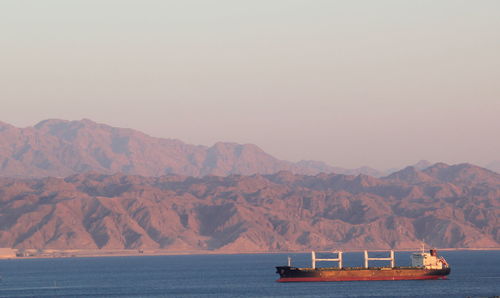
x,y
428,260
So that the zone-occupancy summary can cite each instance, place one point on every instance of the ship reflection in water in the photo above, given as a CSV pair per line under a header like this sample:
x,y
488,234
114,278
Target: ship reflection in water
x,y
424,265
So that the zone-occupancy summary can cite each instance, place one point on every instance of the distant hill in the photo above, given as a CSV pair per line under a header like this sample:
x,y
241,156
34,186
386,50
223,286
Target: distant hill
x,y
58,148
443,205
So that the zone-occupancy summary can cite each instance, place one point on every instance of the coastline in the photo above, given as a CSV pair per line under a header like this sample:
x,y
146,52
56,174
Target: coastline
x,y
96,253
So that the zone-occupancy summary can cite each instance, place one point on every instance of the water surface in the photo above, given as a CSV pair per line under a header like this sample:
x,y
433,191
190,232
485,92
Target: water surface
x,y
474,274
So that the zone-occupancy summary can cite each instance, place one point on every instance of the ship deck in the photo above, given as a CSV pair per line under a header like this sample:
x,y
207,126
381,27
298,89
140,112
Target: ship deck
x,y
354,268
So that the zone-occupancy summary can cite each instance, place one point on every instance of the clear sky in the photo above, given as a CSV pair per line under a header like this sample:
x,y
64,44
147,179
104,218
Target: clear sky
x,y
352,83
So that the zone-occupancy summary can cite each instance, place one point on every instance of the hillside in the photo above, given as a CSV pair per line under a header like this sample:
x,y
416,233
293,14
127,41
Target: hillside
x,y
444,206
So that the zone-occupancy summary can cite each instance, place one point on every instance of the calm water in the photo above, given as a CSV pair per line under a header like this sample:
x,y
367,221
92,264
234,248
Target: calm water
x,y
474,273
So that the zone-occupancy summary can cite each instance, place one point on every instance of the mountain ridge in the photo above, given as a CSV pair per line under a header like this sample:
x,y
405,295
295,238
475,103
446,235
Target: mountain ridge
x,y
59,148
276,212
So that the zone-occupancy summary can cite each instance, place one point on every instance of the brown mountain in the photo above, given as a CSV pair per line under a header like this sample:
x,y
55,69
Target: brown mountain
x,y
445,206
58,148
462,174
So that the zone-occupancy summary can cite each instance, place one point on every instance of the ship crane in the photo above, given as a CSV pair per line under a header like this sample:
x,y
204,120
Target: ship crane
x,y
390,258
314,259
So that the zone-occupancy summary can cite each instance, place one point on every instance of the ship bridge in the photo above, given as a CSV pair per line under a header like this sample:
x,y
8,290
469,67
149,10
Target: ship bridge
x,y
428,260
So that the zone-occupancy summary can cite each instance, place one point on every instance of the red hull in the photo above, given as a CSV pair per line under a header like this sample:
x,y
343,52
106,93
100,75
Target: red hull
x,y
293,274
311,279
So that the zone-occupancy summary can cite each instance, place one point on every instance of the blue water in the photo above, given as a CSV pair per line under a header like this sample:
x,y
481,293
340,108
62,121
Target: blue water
x,y
474,274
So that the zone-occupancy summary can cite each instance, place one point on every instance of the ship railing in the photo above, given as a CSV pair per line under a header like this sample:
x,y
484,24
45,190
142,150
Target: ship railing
x,y
443,261
338,259
390,258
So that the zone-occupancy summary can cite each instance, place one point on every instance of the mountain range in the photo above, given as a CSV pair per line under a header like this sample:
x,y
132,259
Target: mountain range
x,y
58,148
443,206
81,184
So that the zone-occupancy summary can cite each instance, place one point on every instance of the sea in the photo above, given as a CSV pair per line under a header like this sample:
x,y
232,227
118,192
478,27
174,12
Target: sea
x,y
474,274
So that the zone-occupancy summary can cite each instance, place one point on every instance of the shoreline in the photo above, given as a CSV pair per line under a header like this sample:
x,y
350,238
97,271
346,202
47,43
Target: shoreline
x,y
89,253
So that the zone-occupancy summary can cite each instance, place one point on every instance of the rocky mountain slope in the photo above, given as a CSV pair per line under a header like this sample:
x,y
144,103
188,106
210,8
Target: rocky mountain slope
x,y
444,206
58,148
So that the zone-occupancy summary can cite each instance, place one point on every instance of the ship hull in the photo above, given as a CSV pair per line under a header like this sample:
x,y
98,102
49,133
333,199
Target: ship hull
x,y
292,274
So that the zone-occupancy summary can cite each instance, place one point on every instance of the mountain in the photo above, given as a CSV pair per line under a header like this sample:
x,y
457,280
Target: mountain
x,y
322,167
411,175
422,165
443,205
464,174
59,148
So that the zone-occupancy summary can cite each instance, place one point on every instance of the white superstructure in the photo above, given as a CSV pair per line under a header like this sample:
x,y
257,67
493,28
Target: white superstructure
x,y
428,260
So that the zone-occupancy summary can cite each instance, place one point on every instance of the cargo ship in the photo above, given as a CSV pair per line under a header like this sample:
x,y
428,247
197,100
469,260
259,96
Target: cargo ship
x,y
424,265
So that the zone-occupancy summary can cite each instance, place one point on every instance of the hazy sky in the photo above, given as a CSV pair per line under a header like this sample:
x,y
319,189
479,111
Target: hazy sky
x,y
351,83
